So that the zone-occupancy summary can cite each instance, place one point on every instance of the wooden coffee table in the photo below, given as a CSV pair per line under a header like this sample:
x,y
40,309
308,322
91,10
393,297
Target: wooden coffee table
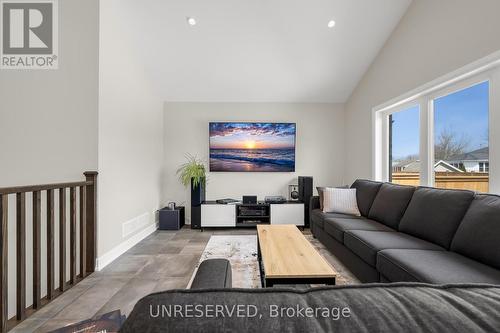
x,y
286,257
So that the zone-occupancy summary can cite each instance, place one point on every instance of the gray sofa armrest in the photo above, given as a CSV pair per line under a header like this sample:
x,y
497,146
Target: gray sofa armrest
x,y
313,204
213,273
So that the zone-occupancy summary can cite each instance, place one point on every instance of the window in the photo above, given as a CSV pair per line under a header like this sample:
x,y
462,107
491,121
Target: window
x,y
404,149
484,167
461,137
440,133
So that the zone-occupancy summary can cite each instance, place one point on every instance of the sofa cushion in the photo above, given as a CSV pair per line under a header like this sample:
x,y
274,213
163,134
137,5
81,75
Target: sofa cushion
x,y
433,267
318,217
390,204
366,244
366,190
434,214
336,227
478,236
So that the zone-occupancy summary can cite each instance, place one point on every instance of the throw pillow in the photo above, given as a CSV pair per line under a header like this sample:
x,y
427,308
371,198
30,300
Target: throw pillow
x,y
339,200
321,189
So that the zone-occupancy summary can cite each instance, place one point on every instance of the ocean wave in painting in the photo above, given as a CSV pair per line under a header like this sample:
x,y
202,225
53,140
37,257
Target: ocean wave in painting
x,y
252,160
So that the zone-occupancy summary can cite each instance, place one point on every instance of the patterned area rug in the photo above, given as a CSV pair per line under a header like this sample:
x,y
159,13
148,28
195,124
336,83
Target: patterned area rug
x,y
241,251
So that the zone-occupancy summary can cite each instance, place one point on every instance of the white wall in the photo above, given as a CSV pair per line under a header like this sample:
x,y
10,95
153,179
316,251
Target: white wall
x,y
320,146
130,138
48,118
432,39
48,125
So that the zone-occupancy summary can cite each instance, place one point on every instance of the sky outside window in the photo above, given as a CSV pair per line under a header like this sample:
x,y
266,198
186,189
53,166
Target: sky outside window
x,y
406,134
463,115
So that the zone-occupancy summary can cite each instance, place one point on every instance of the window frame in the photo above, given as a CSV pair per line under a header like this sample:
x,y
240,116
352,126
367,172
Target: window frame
x,y
486,69
401,108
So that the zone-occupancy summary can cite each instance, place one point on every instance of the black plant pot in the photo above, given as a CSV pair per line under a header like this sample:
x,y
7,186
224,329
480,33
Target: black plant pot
x,y
197,198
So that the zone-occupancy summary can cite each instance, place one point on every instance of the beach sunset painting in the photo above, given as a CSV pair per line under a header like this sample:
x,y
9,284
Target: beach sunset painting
x,y
252,147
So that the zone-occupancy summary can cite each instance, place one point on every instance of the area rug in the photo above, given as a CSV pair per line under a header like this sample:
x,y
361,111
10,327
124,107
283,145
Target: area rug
x,y
241,251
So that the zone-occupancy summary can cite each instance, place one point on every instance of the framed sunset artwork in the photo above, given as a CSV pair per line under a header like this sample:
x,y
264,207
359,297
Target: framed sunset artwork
x,y
252,147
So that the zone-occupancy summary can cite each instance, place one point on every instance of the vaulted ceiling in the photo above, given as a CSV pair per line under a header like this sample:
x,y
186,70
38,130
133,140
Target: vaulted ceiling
x,y
259,50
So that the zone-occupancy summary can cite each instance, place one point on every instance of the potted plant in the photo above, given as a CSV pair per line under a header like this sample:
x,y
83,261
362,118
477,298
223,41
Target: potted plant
x,y
194,172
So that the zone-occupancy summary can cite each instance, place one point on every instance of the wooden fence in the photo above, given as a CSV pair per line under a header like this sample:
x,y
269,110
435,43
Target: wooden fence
x,y
478,182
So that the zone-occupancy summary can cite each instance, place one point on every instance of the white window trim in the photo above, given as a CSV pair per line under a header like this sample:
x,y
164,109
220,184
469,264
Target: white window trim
x,y
486,69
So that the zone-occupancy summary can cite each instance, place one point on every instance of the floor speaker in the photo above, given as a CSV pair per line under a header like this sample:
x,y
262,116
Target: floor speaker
x,y
197,198
305,194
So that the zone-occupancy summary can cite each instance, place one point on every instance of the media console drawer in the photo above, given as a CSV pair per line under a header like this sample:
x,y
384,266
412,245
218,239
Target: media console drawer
x,y
218,215
287,213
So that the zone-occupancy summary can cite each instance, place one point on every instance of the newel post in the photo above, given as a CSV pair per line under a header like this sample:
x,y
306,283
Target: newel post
x,y
91,216
3,261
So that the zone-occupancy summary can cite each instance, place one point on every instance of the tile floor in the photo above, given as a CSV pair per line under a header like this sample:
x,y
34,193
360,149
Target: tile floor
x,y
164,260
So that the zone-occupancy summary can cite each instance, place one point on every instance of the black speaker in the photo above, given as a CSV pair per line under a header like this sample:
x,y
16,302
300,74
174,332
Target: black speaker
x,y
196,217
197,198
293,192
305,194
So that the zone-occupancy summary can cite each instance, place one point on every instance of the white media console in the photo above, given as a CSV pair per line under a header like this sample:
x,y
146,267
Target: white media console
x,y
233,215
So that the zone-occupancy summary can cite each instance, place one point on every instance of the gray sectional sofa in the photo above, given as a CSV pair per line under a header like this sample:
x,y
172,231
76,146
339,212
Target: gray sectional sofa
x,y
398,307
408,234
450,239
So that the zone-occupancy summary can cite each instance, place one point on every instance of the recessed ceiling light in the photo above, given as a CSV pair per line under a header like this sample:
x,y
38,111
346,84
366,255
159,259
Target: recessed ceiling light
x,y
191,21
331,24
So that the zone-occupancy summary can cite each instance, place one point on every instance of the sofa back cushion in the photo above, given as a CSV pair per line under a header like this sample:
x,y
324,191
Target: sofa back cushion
x,y
390,204
478,236
366,191
434,214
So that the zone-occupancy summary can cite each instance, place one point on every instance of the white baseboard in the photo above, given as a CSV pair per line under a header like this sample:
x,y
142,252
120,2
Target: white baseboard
x,y
117,251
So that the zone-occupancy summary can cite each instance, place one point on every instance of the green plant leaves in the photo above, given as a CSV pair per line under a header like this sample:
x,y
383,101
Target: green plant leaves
x,y
193,169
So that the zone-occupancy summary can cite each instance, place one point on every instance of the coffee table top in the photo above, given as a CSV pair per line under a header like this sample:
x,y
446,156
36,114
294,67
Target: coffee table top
x,y
286,253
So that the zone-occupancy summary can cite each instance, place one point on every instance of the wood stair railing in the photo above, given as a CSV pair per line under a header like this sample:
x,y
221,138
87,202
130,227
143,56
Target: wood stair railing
x,y
87,241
